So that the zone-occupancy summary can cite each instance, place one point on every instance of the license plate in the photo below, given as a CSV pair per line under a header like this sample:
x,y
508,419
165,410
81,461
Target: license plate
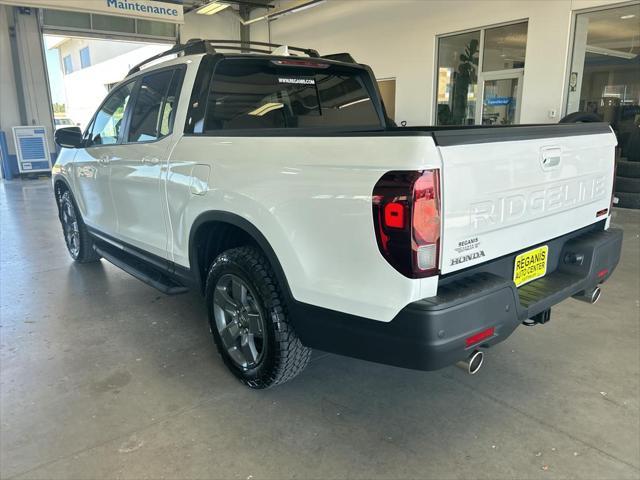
x,y
530,265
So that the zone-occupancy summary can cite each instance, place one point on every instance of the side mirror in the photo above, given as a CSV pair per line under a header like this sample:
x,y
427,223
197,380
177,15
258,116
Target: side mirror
x,y
68,137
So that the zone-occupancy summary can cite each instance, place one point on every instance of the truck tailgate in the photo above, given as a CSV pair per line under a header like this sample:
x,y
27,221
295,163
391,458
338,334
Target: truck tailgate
x,y
507,189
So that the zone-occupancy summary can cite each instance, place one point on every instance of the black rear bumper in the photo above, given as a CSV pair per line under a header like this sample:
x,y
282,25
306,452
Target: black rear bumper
x,y
431,333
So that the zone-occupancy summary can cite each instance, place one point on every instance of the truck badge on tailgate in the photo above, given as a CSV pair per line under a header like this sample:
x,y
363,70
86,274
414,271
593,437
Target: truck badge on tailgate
x,y
467,258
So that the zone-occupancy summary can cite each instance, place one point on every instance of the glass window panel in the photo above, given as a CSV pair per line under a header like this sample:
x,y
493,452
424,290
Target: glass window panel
x,y
457,78
258,94
504,47
110,23
109,120
68,64
157,29
168,114
59,18
85,58
147,106
499,104
605,72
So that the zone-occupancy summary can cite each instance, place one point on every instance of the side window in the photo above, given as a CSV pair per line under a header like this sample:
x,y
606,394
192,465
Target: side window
x,y
258,95
106,126
154,108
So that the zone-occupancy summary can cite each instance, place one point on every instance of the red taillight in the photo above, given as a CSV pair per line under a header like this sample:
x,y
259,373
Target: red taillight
x,y
426,222
394,215
603,273
480,336
406,212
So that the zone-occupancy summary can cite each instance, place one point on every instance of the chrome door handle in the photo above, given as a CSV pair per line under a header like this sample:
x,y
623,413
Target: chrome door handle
x,y
150,160
104,160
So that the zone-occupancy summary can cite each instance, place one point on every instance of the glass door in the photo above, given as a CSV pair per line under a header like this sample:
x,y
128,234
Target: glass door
x,y
501,95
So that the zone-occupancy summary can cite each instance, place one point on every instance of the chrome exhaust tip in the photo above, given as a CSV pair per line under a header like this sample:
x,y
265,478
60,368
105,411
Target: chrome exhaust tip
x,y
589,296
473,363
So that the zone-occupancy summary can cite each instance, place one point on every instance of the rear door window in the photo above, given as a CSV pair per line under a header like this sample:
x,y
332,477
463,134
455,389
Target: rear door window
x,y
154,107
258,94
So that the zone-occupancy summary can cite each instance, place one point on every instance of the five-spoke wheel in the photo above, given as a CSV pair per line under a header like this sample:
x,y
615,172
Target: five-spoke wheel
x,y
239,320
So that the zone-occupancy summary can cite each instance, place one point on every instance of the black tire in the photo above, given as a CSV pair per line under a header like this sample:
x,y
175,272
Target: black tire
x,y
76,236
628,200
625,168
282,355
627,185
581,117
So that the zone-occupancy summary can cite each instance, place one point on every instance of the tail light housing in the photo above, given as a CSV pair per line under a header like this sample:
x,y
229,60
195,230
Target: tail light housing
x,y
406,217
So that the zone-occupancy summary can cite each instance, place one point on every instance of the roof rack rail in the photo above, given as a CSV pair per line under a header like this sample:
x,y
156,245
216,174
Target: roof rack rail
x,y
197,45
192,47
247,46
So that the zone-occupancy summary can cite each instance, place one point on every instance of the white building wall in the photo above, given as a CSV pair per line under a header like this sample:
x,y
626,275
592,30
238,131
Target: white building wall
x,y
398,39
86,88
34,77
99,50
9,110
223,25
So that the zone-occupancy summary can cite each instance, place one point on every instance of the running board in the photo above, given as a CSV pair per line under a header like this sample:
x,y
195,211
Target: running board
x,y
141,270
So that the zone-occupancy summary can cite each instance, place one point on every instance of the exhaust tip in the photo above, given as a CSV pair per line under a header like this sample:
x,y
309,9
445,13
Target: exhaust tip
x,y
589,296
473,363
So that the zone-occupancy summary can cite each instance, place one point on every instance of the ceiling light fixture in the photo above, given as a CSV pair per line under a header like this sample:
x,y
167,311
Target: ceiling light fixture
x,y
212,8
627,17
304,5
609,52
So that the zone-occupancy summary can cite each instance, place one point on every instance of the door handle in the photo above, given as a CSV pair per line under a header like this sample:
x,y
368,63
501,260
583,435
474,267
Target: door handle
x,y
150,160
104,160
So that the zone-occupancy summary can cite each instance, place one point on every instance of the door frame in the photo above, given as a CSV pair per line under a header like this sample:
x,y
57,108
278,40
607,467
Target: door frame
x,y
515,73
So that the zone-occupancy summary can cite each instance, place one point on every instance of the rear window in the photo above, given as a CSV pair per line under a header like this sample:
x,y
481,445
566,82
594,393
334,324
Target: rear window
x,y
249,94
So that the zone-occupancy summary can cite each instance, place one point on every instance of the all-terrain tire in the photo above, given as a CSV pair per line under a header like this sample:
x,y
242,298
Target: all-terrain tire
x,y
81,247
284,355
580,117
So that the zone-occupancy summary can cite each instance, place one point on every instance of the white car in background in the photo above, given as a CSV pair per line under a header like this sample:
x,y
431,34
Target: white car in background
x,y
277,186
63,122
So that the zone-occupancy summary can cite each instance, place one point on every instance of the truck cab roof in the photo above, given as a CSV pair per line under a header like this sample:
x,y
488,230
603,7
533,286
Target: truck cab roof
x,y
272,51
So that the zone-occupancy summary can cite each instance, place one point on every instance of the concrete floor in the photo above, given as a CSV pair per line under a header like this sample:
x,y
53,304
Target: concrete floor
x,y
103,377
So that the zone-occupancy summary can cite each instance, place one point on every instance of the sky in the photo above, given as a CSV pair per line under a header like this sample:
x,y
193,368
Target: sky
x,y
55,72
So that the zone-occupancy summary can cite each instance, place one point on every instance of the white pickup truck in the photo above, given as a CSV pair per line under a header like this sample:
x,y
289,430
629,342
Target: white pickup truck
x,y
275,184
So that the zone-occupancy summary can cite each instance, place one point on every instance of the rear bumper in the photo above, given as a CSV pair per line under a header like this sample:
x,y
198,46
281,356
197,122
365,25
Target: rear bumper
x,y
431,333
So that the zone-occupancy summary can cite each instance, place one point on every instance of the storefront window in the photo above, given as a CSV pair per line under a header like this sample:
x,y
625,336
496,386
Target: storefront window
x,y
490,95
504,47
605,72
457,78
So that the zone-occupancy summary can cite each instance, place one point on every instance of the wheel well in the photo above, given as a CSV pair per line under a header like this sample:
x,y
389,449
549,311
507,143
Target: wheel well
x,y
59,188
213,238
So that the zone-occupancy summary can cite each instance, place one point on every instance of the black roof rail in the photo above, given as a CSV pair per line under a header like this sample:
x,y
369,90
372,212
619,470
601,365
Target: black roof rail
x,y
197,45
192,47
227,44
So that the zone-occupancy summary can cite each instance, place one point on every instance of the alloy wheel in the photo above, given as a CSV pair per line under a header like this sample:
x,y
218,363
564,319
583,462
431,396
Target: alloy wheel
x,y
239,321
70,228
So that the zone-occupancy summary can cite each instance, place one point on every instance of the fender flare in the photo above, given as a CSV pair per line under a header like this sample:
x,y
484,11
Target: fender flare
x,y
249,229
61,179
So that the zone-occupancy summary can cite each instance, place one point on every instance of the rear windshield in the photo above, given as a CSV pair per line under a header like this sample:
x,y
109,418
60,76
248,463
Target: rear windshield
x,y
250,94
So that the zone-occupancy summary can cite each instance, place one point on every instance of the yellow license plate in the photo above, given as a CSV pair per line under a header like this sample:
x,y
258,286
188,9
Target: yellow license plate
x,y
530,265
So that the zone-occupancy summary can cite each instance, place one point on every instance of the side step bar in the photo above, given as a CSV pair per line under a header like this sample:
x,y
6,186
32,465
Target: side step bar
x,y
141,270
